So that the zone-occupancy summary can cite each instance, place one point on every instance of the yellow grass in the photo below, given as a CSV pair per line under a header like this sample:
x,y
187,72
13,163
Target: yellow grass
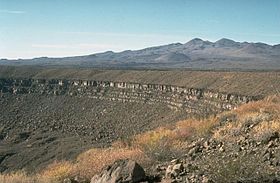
x,y
195,128
263,116
92,161
19,177
263,130
269,105
58,171
181,131
165,143
151,138
86,166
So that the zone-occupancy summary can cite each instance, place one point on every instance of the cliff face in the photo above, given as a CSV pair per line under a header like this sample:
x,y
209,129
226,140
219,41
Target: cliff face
x,y
242,83
192,100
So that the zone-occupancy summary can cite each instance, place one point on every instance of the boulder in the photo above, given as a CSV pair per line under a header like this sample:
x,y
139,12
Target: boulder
x,y
174,170
122,171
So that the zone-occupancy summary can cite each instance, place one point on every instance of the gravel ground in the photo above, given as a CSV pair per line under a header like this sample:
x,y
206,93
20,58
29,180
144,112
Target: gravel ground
x,y
37,129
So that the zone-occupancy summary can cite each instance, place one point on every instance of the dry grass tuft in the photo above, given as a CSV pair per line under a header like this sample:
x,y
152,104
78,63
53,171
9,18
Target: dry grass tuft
x,y
265,130
159,144
270,105
195,128
166,143
152,137
19,177
259,119
58,171
92,161
87,165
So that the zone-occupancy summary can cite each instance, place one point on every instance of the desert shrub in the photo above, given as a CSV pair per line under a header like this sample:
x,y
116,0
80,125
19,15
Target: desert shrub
x,y
58,171
263,131
54,173
158,145
234,132
86,166
118,144
163,149
163,144
227,117
257,125
270,105
152,137
195,128
205,127
19,177
92,161
227,131
184,133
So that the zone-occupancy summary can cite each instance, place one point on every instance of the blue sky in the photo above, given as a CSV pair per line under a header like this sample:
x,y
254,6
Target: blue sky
x,y
33,28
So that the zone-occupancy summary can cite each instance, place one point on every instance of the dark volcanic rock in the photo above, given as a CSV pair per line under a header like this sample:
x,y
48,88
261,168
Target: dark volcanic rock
x,y
39,128
122,171
209,160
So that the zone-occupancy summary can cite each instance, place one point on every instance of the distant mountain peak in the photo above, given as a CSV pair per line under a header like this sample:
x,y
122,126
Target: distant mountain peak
x,y
196,40
177,44
196,53
224,42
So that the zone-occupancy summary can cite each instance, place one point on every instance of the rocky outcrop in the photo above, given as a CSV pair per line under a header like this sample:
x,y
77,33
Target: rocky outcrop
x,y
210,160
207,160
192,100
122,171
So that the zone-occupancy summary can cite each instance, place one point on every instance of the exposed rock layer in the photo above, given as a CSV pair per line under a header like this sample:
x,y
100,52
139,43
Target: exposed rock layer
x,y
191,100
242,83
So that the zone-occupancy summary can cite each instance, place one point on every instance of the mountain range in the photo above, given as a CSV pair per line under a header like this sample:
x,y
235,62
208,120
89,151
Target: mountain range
x,y
195,54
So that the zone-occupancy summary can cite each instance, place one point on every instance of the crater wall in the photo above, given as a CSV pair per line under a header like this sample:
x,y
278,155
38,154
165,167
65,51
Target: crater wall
x,y
192,100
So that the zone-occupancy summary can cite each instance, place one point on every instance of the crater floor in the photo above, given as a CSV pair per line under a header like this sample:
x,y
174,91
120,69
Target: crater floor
x,y
37,129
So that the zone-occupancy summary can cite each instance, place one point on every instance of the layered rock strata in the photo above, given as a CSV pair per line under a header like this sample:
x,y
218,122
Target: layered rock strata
x,y
192,100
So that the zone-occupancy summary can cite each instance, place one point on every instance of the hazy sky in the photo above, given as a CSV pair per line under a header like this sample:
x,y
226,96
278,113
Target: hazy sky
x,y
33,28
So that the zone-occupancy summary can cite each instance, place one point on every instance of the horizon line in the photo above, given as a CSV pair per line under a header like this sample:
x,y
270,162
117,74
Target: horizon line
x,y
152,46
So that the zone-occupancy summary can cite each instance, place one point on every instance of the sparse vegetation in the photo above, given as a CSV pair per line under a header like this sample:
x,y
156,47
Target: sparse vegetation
x,y
195,128
58,171
165,143
18,177
159,145
92,161
260,120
